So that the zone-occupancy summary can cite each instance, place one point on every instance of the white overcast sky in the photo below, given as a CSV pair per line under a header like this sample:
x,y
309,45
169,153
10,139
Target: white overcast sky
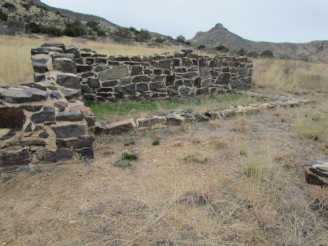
x,y
258,20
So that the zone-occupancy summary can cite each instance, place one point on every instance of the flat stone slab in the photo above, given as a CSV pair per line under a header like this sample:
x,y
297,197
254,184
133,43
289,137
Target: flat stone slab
x,y
121,126
22,95
316,172
15,157
114,73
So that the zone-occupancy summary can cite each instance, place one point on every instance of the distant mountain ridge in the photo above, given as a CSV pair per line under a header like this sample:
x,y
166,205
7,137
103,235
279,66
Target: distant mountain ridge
x,y
219,35
74,15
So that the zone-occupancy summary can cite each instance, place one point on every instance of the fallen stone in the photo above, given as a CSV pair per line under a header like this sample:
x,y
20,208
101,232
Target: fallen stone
x,y
86,153
316,172
121,126
81,142
173,120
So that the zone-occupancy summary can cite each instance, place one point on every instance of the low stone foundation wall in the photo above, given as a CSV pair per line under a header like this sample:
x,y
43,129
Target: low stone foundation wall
x,y
39,124
108,78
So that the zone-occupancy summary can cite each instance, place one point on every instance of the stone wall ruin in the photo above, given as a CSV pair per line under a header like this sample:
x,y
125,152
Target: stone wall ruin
x,y
46,121
110,78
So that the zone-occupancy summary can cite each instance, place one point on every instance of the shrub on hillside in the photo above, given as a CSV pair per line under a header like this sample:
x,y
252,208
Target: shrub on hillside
x,y
201,47
75,29
26,5
267,54
241,52
9,6
159,40
222,48
123,32
181,39
3,16
143,36
253,54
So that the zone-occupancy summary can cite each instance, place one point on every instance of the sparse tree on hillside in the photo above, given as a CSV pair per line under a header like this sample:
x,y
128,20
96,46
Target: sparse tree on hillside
x,y
253,54
267,54
222,48
181,39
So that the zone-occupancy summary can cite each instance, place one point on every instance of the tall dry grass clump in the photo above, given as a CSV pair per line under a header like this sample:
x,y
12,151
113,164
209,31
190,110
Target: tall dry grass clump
x,y
15,62
290,76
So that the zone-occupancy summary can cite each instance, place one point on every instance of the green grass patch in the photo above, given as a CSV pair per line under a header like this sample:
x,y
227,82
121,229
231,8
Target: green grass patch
x,y
129,143
106,110
156,142
122,164
130,156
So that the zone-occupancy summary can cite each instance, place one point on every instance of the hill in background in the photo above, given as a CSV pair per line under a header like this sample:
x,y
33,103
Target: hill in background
x,y
219,35
33,16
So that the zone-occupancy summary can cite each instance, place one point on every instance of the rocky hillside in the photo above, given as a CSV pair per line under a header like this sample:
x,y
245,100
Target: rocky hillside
x,y
33,16
219,35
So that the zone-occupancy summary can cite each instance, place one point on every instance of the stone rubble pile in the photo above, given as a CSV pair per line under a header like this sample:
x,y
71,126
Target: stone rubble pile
x,y
179,116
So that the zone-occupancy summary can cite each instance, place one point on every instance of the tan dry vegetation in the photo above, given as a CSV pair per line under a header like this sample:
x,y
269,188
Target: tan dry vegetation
x,y
202,191
16,66
291,76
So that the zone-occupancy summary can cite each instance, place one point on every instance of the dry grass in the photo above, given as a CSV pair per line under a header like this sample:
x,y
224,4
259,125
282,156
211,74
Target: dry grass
x,y
291,76
15,63
199,192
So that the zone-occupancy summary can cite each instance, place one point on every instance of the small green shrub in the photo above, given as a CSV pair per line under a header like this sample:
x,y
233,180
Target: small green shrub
x,y
156,142
122,164
3,16
181,39
241,52
143,36
129,143
9,6
222,48
253,54
130,156
267,54
201,47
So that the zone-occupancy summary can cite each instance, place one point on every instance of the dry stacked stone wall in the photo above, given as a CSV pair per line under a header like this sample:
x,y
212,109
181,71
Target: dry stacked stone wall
x,y
109,78
45,121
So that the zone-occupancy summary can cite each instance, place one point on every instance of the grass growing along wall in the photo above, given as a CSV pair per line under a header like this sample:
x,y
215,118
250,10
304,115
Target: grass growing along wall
x,y
109,110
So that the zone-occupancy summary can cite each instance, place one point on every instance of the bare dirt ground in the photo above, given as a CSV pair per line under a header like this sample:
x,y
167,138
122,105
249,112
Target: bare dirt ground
x,y
238,181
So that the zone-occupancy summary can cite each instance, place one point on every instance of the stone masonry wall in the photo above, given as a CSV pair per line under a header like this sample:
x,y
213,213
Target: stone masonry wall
x,y
109,78
42,123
